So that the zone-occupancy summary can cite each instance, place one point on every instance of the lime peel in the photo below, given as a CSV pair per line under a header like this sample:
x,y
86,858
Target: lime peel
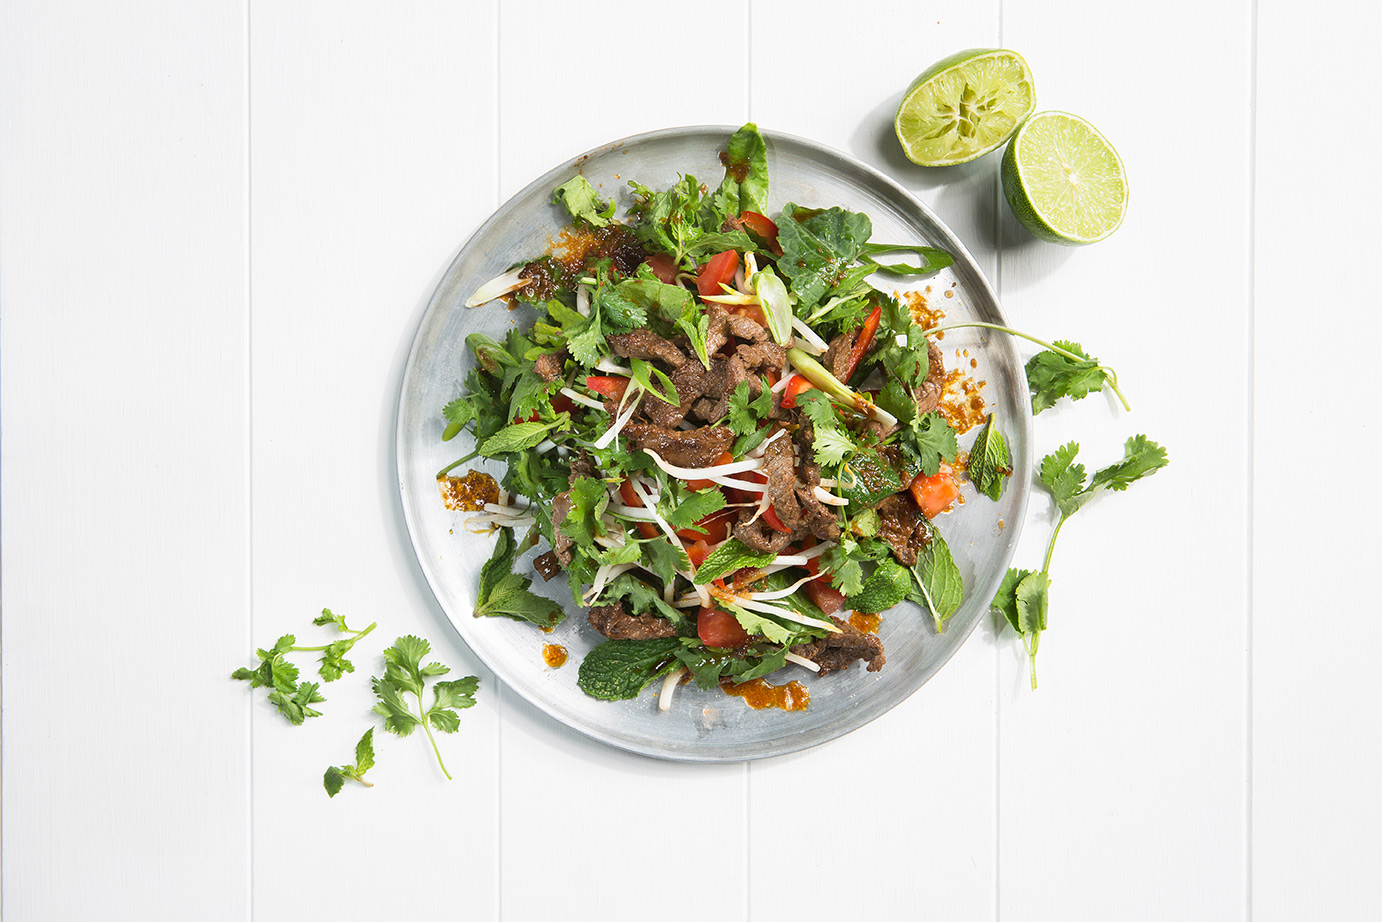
x,y
1064,181
964,106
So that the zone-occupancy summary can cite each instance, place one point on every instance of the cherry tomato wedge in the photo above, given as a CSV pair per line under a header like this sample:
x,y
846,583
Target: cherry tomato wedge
x,y
771,519
611,387
714,528
724,458
560,404
719,268
761,226
697,552
718,628
936,493
631,498
861,345
827,598
795,385
753,312
663,267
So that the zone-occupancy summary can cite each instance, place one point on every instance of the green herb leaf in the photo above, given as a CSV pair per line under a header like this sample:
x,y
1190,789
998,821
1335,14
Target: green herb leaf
x,y
731,556
889,584
1141,457
337,775
295,705
761,625
934,259
746,167
819,247
516,437
620,669
989,463
404,673
1053,376
934,442
504,593
589,499
938,580
583,202
692,506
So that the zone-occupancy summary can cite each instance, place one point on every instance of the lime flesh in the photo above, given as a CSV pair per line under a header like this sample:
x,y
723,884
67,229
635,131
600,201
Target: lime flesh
x,y
964,106
1064,181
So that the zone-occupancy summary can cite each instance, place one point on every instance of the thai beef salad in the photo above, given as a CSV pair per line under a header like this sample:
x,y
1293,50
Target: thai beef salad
x,y
726,435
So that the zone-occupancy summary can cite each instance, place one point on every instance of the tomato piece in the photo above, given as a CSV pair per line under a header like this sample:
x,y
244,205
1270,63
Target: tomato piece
x,y
714,528
720,268
745,496
753,312
611,387
865,339
771,519
718,628
936,493
663,267
697,552
795,385
827,598
761,226
563,404
631,498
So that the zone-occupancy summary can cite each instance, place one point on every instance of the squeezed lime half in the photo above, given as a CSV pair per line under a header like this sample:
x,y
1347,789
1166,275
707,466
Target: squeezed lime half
x,y
964,106
1064,181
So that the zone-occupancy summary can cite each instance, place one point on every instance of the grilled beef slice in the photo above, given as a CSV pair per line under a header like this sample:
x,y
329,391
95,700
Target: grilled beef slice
x,y
646,345
617,624
929,394
686,448
549,366
561,543
902,525
837,651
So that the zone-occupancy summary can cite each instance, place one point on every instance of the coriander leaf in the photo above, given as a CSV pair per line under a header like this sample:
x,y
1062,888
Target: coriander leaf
x,y
1064,478
744,413
694,506
589,499
1005,600
620,312
1052,376
731,556
756,624
620,669
885,587
1032,602
504,593
586,343
582,201
938,580
336,776
695,323
405,674
1141,457
832,447
934,441
295,705
832,444
644,372
989,462
458,413
665,560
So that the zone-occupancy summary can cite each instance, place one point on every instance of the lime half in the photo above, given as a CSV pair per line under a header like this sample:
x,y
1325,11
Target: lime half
x,y
964,106
1064,181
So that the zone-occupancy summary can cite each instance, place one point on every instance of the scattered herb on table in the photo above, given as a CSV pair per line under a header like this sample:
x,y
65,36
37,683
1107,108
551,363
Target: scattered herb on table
x,y
336,775
404,673
1023,596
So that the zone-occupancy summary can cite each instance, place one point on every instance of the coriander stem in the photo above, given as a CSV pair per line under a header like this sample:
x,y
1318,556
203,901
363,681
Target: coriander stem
x,y
310,649
422,709
450,467
1112,375
1051,547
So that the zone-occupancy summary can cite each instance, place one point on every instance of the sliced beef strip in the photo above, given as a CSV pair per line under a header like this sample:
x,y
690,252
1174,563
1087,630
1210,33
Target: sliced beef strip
x,y
646,345
723,325
561,544
683,447
929,394
817,519
549,366
691,380
761,356
903,527
726,373
617,624
780,467
838,651
758,535
581,466
836,358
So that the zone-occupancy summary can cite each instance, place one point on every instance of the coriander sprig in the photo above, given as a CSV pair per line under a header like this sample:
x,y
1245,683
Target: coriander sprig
x,y
404,673
292,698
1064,370
1023,596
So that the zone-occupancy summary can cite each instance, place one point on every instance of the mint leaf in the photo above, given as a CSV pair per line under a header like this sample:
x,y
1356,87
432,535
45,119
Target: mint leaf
x,y
504,593
731,556
515,437
989,462
764,625
889,584
337,775
938,580
620,669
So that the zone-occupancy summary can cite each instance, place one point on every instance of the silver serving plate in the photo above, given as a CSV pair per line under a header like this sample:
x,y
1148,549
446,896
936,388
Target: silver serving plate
x,y
702,725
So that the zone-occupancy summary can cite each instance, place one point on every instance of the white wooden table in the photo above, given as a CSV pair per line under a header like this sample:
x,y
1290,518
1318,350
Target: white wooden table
x,y
219,224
